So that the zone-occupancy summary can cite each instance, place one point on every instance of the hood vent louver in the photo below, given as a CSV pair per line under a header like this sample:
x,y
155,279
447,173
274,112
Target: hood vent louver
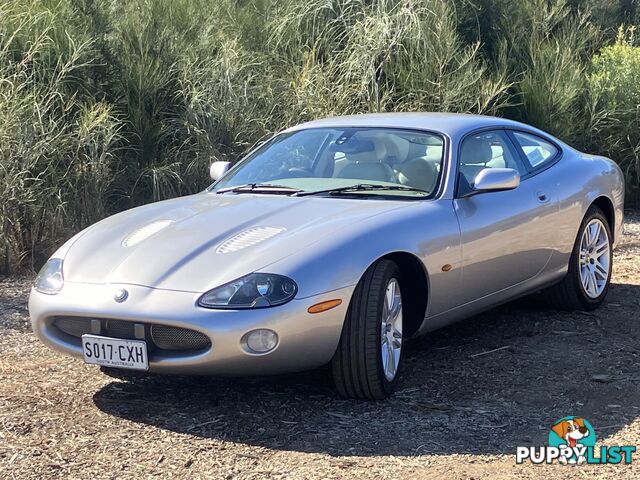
x,y
145,232
248,238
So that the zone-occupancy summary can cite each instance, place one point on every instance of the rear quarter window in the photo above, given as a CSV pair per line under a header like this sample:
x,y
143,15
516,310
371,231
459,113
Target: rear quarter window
x,y
537,150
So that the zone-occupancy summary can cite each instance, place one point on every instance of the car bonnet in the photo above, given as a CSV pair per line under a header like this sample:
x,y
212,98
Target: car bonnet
x,y
201,241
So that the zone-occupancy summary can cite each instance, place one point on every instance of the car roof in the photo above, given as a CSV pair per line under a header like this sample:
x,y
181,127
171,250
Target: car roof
x,y
452,124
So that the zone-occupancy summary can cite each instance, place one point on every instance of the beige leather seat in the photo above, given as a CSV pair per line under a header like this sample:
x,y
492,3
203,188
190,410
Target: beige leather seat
x,y
418,173
365,165
476,154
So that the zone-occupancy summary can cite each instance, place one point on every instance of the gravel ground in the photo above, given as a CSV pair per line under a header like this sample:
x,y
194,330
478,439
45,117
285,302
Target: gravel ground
x,y
456,414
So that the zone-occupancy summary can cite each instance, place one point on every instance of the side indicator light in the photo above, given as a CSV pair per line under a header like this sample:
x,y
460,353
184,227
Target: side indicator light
x,y
447,267
324,306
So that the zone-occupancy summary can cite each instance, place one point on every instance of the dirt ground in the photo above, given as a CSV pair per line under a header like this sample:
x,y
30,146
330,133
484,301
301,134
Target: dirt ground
x,y
456,414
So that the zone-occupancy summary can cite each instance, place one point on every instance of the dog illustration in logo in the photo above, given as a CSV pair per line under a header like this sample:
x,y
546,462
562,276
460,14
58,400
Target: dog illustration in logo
x,y
572,431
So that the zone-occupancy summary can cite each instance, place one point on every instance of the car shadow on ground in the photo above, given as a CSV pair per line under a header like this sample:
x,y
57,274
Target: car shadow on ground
x,y
484,385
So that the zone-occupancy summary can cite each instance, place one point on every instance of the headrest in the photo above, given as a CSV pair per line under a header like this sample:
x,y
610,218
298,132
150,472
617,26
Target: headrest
x,y
375,151
476,150
418,173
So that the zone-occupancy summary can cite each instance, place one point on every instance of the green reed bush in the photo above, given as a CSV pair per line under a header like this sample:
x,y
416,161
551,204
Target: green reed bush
x,y
614,89
55,149
108,104
546,46
360,56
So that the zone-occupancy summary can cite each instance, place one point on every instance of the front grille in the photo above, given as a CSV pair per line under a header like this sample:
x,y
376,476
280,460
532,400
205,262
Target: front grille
x,y
158,337
120,329
172,338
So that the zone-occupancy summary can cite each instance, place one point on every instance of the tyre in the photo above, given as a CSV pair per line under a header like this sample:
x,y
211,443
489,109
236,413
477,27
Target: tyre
x,y
587,281
368,360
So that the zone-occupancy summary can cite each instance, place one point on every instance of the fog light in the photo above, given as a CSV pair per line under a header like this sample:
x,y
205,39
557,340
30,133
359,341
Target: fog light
x,y
261,340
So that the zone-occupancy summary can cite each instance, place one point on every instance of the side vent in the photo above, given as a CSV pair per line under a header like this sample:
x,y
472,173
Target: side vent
x,y
248,238
145,232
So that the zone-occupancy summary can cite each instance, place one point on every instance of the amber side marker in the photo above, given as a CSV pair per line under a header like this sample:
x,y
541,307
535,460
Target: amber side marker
x,y
324,306
446,267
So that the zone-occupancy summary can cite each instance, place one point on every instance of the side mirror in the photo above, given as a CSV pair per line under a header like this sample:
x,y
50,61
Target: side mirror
x,y
218,169
496,180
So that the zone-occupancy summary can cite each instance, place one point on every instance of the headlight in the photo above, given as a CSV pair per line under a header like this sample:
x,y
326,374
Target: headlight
x,y
49,279
257,290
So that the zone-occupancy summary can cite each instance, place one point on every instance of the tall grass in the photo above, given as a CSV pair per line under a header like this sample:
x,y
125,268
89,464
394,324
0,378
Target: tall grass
x,y
55,147
614,91
362,56
106,104
547,46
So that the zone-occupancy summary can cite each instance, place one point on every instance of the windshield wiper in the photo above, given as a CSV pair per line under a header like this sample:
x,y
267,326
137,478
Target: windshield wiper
x,y
360,187
262,187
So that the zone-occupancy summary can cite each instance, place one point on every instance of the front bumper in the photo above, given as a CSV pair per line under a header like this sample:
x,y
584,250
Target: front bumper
x,y
305,340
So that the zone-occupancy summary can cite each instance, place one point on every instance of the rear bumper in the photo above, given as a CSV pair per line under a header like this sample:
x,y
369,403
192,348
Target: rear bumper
x,y
305,340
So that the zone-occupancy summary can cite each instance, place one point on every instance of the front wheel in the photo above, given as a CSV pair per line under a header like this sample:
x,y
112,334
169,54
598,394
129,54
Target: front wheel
x,y
368,360
587,282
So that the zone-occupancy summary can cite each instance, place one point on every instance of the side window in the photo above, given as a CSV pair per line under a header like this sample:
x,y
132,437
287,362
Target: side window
x,y
491,149
537,150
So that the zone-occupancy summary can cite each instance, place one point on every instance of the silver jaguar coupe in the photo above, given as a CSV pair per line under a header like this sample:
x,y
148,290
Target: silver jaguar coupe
x,y
333,243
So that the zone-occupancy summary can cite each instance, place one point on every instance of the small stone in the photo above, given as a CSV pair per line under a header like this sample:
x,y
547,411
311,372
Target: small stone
x,y
601,377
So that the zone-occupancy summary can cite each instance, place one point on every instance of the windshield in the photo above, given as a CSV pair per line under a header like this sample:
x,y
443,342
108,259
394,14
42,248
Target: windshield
x,y
321,159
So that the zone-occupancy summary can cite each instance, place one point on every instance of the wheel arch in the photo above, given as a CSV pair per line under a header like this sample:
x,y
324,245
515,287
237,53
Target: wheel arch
x,y
415,288
606,205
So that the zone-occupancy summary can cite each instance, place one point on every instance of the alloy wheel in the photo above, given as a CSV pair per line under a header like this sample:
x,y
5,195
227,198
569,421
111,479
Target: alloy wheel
x,y
595,258
391,330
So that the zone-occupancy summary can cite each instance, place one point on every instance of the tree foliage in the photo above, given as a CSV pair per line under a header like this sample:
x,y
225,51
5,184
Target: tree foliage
x,y
108,104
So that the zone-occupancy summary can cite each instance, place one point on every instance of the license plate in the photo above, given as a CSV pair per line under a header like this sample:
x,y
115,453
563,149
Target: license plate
x,y
115,352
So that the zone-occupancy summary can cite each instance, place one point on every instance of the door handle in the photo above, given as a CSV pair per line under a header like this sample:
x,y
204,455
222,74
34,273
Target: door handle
x,y
542,197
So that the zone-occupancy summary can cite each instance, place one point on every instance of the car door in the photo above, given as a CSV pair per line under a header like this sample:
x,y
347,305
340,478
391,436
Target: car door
x,y
505,235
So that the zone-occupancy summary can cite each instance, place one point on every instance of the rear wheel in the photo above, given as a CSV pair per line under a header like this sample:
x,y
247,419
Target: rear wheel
x,y
368,360
587,282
